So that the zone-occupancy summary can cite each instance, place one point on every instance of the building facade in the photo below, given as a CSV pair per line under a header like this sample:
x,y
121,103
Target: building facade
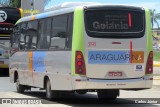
x,y
32,6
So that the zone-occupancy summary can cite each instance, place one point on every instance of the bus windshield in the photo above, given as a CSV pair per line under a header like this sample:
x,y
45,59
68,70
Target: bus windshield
x,y
107,22
4,48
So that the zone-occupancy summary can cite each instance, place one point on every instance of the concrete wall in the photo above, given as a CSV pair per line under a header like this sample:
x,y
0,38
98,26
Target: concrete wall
x,y
26,5
38,6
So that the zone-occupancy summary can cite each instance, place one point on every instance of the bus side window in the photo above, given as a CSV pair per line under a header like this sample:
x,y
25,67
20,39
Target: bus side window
x,y
69,32
44,33
15,39
22,36
12,40
16,34
31,35
59,29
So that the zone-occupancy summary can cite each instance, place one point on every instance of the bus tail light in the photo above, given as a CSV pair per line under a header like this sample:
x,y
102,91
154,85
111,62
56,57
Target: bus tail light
x,y
80,63
149,66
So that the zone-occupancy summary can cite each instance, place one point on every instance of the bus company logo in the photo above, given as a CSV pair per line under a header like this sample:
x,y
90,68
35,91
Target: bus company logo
x,y
115,57
3,16
6,101
20,101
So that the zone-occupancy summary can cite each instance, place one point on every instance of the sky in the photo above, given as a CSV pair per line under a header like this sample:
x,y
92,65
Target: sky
x,y
151,4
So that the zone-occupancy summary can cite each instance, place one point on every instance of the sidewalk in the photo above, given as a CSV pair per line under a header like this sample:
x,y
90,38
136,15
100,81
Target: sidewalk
x,y
156,78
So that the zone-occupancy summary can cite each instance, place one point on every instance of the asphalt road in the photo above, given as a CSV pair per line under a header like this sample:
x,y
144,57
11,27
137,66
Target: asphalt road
x,y
90,99
8,90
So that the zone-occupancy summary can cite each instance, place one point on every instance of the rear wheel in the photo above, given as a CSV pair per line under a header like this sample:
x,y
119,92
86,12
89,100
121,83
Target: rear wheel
x,y
50,94
108,94
20,88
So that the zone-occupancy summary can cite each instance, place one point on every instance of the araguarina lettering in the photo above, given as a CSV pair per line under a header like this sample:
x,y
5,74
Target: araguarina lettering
x,y
112,57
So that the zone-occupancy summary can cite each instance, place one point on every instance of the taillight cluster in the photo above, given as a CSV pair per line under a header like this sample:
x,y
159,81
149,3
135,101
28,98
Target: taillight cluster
x,y
149,66
80,63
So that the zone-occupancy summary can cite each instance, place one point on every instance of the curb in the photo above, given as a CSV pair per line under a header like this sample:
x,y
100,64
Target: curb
x,y
156,64
156,77
156,81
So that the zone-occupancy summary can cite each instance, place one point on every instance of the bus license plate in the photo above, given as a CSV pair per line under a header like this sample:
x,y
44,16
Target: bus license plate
x,y
115,74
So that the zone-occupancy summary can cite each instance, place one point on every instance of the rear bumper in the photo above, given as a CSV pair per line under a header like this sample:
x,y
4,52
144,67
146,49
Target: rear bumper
x,y
86,83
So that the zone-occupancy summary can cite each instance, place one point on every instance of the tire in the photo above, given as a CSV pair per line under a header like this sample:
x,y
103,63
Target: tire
x,y
81,92
50,94
20,88
108,94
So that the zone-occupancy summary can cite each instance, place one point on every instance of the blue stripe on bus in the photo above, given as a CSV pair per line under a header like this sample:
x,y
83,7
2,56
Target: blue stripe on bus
x,y
39,61
43,15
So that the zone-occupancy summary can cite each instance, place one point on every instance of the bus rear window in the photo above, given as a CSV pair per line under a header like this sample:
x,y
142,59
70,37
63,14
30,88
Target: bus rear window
x,y
114,23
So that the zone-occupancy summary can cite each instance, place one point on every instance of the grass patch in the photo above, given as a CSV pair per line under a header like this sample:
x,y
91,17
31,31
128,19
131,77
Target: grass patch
x,y
156,56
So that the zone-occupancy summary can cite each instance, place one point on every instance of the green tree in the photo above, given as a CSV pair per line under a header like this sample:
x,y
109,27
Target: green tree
x,y
11,3
15,3
154,17
4,3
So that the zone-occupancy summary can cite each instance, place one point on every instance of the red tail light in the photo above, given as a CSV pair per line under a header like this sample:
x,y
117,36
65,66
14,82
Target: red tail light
x,y
149,66
80,63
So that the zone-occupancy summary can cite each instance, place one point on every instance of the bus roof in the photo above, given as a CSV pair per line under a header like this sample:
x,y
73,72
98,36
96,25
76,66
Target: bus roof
x,y
64,8
70,4
46,14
